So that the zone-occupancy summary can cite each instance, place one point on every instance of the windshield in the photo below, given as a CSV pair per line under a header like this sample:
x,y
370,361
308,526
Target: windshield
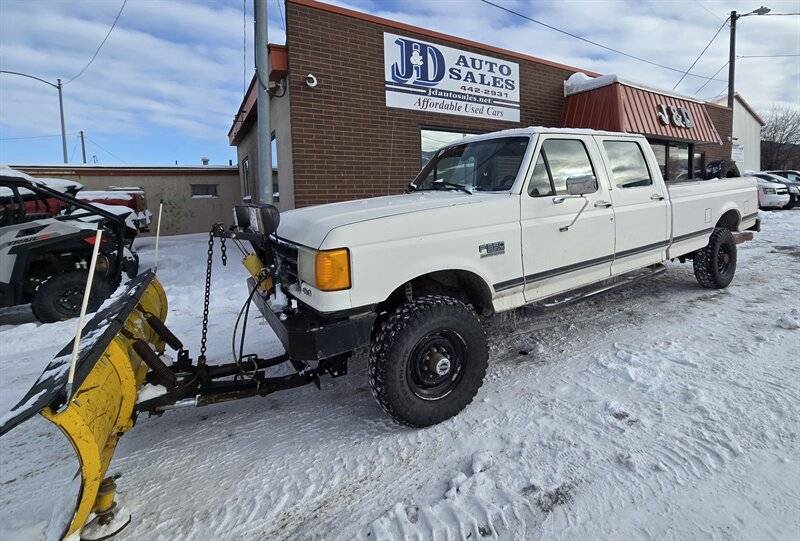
x,y
488,166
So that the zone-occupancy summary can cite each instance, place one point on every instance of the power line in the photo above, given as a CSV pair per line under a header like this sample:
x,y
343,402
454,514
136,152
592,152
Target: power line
x,y
72,153
707,10
715,74
105,150
113,25
244,46
640,59
768,56
33,137
280,10
701,53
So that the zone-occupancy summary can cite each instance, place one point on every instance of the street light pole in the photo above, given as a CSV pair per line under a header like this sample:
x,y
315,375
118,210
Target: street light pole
x,y
61,112
732,50
60,104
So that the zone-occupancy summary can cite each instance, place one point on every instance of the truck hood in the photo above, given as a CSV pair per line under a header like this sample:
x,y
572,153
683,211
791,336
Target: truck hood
x,y
310,225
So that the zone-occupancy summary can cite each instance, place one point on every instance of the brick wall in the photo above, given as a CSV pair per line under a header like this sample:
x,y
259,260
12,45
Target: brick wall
x,y
722,117
346,143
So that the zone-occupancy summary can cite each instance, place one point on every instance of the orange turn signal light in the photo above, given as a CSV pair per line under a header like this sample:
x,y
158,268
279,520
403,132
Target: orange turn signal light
x,y
332,269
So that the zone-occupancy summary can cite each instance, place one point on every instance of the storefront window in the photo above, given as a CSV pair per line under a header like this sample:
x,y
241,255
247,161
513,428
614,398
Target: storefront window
x,y
660,150
678,168
433,140
673,159
699,164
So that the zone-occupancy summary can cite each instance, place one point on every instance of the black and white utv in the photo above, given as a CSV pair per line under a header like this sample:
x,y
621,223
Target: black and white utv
x,y
46,242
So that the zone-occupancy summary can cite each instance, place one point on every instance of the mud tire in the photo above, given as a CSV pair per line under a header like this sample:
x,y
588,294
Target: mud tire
x,y
715,265
399,349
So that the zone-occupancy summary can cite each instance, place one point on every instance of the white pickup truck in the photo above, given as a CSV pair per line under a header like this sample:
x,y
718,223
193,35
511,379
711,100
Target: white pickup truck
x,y
491,223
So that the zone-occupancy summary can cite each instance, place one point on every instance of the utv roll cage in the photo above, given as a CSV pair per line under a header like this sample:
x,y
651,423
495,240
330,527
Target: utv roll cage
x,y
13,211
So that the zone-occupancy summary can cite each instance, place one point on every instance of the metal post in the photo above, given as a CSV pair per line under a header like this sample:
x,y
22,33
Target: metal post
x,y
61,111
263,126
83,147
732,59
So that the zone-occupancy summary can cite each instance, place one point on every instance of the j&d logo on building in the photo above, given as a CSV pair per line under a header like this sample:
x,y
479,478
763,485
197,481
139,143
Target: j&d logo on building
x,y
423,64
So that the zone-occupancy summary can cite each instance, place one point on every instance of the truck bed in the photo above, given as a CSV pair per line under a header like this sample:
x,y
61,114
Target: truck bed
x,y
698,206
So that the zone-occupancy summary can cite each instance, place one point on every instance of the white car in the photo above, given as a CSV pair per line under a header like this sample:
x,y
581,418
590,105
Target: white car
x,y
772,195
537,216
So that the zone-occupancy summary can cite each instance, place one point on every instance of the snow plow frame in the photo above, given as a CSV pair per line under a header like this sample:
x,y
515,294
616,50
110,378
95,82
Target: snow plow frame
x,y
122,348
108,375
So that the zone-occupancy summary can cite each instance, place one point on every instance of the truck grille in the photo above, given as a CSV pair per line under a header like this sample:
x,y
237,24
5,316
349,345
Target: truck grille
x,y
286,259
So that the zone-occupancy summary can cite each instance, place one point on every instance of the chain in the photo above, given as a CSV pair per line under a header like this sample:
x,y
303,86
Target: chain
x,y
223,252
206,296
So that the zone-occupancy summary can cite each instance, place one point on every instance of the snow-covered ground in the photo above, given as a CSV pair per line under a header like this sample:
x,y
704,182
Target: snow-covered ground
x,y
662,411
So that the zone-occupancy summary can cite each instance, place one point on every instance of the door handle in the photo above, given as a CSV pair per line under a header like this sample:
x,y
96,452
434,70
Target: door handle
x,y
603,204
657,197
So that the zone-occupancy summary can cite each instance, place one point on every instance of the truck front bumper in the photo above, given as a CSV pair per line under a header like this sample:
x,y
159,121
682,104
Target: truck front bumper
x,y
307,336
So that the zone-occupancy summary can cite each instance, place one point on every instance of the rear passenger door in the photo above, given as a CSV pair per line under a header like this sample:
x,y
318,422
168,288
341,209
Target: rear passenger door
x,y
641,204
555,259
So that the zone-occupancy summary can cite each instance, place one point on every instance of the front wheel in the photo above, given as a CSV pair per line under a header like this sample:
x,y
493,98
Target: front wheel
x,y
715,265
428,360
60,296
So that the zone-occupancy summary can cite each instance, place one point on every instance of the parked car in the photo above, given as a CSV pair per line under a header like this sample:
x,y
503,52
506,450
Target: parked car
x,y
788,174
774,189
792,181
535,216
44,260
131,197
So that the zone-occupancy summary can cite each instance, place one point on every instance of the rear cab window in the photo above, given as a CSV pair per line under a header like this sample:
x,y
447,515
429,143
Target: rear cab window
x,y
628,165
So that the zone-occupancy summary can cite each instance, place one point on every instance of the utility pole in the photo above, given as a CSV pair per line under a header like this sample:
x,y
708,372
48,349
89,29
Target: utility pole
x,y
732,59
61,112
83,147
262,83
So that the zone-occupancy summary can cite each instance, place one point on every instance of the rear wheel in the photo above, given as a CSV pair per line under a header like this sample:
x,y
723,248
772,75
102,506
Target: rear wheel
x,y
715,265
60,296
428,360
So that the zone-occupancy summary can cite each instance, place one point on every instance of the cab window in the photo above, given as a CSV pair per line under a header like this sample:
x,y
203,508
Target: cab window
x,y
628,167
558,160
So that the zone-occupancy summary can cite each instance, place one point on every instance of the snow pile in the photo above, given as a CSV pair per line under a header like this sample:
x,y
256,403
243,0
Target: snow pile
x,y
663,411
790,321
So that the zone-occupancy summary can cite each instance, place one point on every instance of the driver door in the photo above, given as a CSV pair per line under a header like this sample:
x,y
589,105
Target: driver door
x,y
557,259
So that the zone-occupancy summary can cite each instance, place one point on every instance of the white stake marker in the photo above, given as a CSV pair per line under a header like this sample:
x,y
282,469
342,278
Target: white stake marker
x,y
82,317
158,234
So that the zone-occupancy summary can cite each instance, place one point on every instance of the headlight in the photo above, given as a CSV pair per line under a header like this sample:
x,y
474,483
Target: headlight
x,y
327,270
770,191
794,189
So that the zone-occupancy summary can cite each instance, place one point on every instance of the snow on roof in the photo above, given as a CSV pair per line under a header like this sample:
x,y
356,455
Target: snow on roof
x,y
580,82
6,171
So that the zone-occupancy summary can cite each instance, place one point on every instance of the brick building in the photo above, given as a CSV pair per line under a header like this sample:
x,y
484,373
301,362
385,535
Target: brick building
x,y
384,95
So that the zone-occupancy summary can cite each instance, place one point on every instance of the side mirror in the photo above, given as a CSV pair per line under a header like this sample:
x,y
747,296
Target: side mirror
x,y
581,184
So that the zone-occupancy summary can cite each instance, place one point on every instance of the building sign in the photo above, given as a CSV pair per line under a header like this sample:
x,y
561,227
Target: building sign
x,y
432,78
675,115
737,152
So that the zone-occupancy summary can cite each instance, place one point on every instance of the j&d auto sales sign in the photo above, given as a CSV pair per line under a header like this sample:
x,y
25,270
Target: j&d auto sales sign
x,y
433,78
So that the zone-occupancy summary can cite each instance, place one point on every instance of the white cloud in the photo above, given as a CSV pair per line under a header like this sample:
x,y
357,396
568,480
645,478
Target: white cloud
x,y
173,68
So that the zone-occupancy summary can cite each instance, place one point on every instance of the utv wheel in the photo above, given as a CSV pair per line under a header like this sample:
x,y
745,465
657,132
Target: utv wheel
x,y
428,360
60,296
715,265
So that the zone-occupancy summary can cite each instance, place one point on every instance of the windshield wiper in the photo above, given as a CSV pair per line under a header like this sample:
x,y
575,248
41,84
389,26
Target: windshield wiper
x,y
460,187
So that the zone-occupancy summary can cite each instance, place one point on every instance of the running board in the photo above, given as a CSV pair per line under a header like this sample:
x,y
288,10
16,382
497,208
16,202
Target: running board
x,y
605,286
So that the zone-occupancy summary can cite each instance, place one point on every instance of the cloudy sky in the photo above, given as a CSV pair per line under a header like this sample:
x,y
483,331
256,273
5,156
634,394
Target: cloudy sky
x,y
168,81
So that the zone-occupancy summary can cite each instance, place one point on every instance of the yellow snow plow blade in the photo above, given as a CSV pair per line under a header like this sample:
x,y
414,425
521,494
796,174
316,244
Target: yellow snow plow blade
x,y
108,376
